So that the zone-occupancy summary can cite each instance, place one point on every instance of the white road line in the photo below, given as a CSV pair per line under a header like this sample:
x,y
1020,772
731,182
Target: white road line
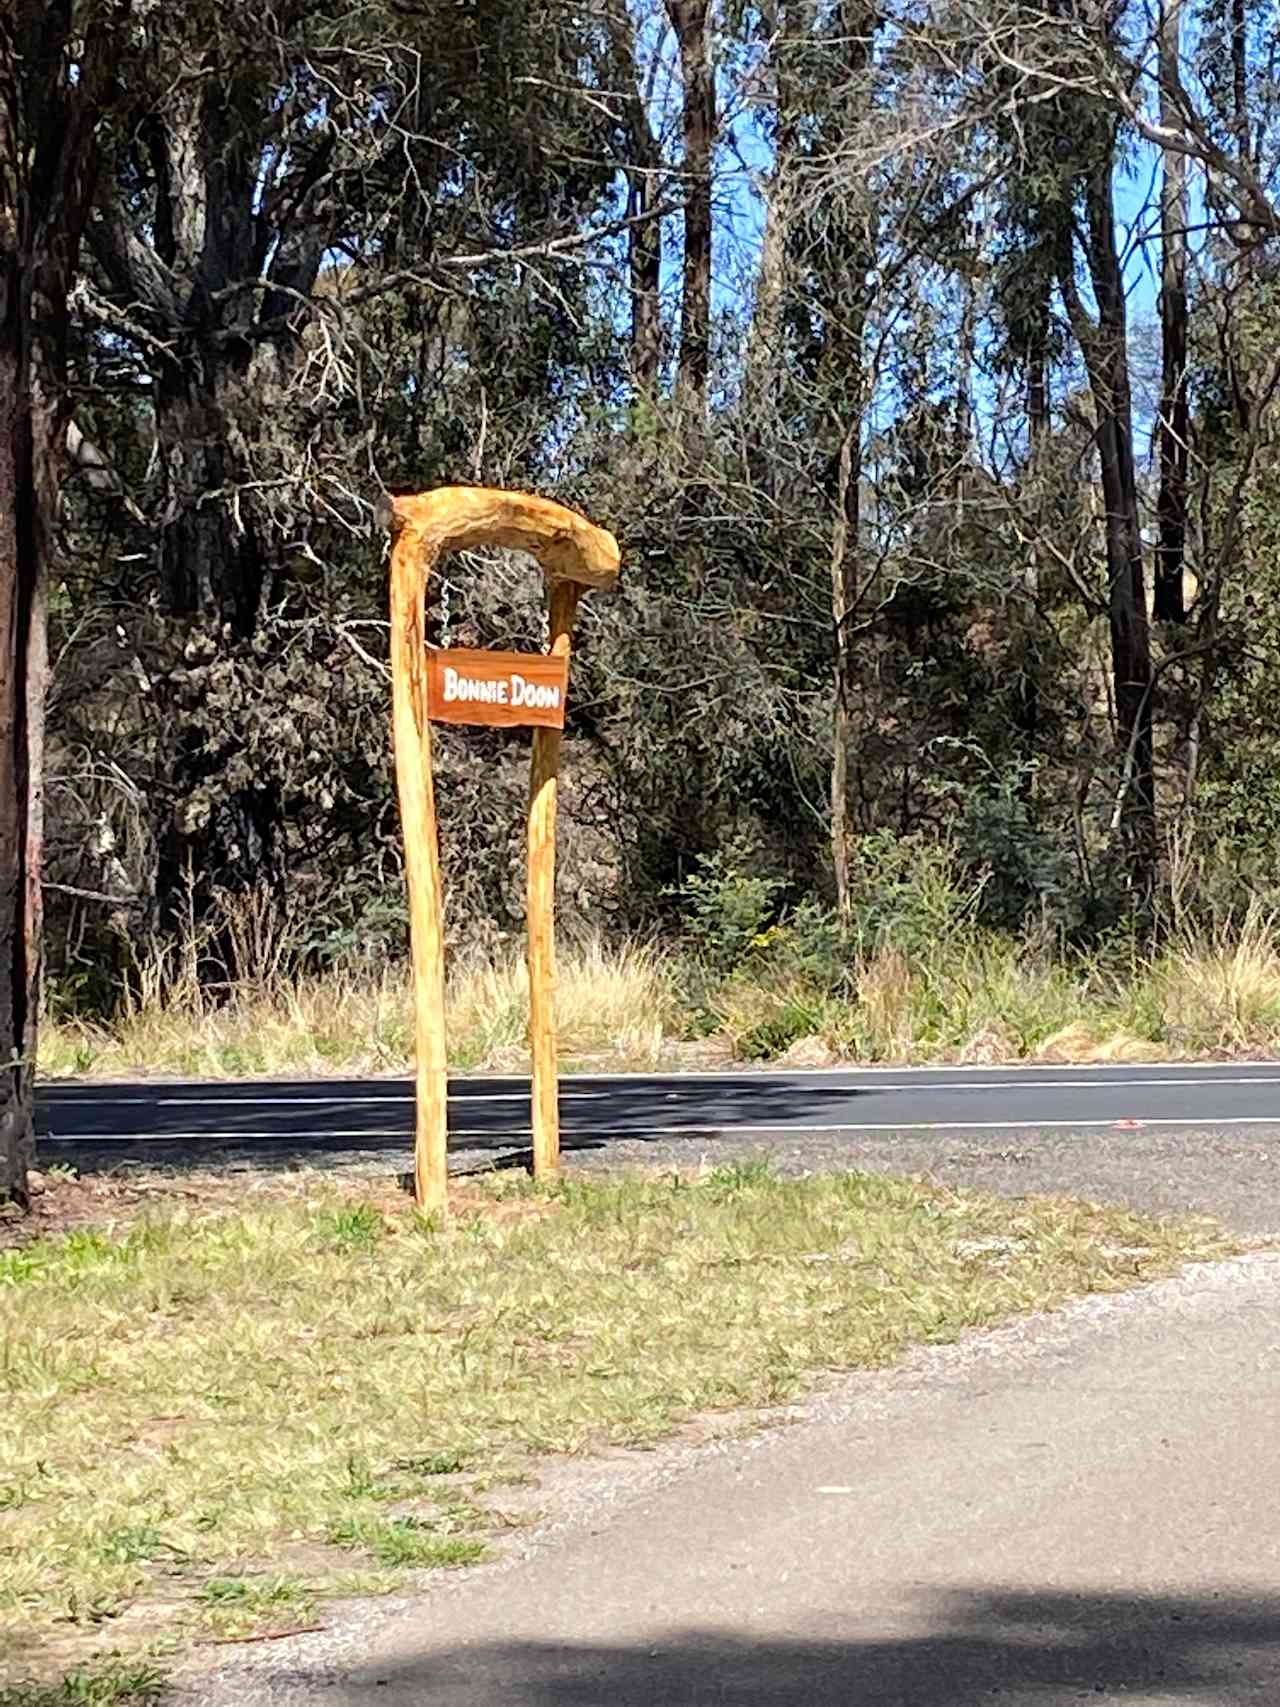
x,y
1053,1085
706,1073
328,1102
220,1137
1121,1122
1074,1085
747,1088
1016,1067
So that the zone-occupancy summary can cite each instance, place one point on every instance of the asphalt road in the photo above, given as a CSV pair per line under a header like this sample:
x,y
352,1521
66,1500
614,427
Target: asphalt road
x,y
1162,1138
485,1114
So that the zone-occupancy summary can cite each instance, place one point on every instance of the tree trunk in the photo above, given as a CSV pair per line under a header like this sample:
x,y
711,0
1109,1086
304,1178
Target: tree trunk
x,y
48,116
1038,385
220,360
844,542
791,28
690,21
1105,348
1170,605
21,614
212,565
1240,79
1038,419
214,572
643,165
764,337
646,282
846,300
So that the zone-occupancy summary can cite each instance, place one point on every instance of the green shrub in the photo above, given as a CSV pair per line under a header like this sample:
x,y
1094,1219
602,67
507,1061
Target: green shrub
x,y
909,892
727,906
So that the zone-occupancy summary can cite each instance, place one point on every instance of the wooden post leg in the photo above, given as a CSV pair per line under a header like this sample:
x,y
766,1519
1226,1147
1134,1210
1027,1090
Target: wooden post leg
x,y
412,737
544,773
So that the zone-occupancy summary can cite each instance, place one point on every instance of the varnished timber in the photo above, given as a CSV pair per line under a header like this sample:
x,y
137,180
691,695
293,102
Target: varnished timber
x,y
544,773
575,555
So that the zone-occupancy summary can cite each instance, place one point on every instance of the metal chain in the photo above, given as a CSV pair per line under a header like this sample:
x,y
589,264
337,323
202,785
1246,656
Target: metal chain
x,y
445,590
545,628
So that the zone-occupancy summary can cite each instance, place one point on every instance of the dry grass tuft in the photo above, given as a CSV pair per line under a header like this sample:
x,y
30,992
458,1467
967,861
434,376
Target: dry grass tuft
x,y
887,1004
1083,1042
1220,991
615,1003
968,996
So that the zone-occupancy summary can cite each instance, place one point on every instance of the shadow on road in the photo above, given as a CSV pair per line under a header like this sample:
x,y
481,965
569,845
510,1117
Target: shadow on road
x,y
1036,1648
265,1124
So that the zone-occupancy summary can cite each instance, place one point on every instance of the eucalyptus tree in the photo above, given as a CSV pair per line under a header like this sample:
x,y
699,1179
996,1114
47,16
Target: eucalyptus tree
x,y
315,223
59,62
1198,88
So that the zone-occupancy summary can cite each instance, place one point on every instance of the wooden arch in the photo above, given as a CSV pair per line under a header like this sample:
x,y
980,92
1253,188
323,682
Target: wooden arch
x,y
575,556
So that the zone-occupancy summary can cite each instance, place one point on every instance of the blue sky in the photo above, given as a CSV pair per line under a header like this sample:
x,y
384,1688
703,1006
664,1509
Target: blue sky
x,y
740,215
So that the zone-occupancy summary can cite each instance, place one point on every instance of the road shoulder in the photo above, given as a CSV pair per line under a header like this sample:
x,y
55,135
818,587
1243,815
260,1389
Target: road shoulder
x,y
990,1515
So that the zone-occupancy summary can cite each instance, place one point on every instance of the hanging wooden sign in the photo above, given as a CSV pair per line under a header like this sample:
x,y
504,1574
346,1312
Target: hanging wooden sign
x,y
500,689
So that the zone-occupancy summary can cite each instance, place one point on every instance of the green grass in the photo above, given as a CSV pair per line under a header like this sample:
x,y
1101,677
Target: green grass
x,y
223,1414
231,1607
353,1229
407,1541
112,1684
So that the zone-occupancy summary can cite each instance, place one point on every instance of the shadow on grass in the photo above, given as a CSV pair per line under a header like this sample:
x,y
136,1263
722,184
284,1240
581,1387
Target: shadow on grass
x,y
1009,1646
163,1156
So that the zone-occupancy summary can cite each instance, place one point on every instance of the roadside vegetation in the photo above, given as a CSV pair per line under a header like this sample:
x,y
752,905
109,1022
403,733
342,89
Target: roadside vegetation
x,y
915,972
220,1416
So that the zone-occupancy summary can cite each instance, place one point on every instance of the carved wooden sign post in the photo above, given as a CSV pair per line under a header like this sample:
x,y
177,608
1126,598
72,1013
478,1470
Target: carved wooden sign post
x,y
492,688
